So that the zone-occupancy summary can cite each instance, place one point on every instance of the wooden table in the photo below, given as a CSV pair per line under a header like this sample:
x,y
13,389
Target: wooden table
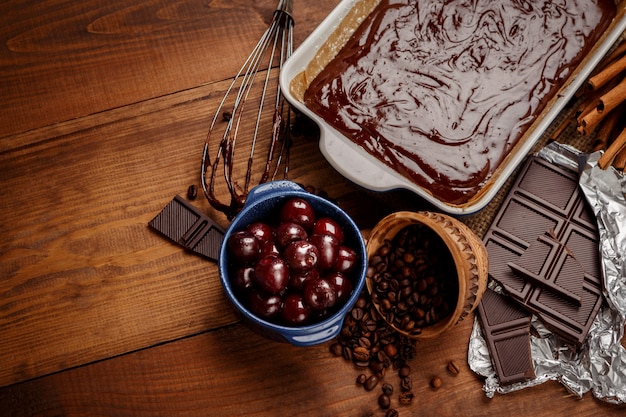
x,y
104,108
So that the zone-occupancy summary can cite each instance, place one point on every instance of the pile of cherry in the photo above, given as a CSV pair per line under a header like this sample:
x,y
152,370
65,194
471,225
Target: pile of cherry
x,y
294,269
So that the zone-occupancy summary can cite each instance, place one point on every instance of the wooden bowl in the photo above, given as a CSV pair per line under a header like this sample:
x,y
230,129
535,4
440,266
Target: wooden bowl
x,y
467,251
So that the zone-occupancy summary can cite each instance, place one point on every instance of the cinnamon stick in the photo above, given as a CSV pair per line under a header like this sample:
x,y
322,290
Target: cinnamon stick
x,y
613,98
561,128
609,155
607,102
607,74
617,53
620,160
606,128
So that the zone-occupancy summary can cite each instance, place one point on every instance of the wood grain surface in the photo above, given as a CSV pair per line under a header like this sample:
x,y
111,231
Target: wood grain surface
x,y
104,108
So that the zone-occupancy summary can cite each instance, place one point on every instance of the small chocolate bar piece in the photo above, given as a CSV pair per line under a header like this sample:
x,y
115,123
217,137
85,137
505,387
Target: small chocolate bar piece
x,y
506,326
550,264
546,199
187,226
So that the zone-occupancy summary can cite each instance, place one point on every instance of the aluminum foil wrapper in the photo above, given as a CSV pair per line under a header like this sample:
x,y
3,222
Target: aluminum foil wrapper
x,y
599,365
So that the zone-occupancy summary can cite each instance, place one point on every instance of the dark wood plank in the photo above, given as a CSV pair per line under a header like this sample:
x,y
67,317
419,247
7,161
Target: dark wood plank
x,y
63,60
234,372
78,258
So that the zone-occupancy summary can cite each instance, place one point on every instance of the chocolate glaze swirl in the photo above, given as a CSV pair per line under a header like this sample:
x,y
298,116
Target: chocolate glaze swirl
x,y
442,90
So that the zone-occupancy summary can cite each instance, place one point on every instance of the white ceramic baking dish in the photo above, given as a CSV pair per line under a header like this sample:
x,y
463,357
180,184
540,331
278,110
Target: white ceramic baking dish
x,y
357,165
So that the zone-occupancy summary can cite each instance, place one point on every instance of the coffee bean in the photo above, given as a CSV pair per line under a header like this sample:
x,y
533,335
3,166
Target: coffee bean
x,y
357,313
391,350
384,401
347,353
360,380
371,382
361,354
336,349
404,371
453,368
192,192
406,397
406,384
387,388
436,382
392,413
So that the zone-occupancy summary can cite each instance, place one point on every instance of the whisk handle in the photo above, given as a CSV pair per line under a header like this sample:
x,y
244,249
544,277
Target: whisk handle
x,y
285,6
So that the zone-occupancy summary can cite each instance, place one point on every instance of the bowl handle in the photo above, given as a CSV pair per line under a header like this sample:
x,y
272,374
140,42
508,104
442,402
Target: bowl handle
x,y
314,338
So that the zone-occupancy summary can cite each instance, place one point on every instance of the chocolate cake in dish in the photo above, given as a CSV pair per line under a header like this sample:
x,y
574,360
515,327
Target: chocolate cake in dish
x,y
442,91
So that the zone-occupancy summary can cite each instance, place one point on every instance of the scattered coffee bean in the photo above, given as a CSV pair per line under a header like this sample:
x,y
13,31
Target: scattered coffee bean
x,y
404,371
361,354
192,192
406,397
370,343
226,116
406,384
360,380
384,401
392,413
453,368
371,382
436,382
336,349
390,350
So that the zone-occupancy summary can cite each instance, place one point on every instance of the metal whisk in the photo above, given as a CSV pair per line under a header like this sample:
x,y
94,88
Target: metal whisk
x,y
248,99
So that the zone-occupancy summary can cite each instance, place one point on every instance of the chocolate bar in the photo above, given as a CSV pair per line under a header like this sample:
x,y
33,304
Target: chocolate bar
x,y
562,282
506,327
187,226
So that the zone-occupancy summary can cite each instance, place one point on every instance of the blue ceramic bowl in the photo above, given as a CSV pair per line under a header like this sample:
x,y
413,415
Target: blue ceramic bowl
x,y
263,201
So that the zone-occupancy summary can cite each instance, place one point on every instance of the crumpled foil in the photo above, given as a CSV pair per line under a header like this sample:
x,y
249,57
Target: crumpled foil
x,y
599,365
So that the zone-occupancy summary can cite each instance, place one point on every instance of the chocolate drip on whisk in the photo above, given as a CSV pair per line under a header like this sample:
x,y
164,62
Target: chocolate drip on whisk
x,y
269,54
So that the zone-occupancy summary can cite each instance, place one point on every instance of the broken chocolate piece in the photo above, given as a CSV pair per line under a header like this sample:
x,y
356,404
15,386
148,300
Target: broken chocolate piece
x,y
187,226
506,326
550,264
545,197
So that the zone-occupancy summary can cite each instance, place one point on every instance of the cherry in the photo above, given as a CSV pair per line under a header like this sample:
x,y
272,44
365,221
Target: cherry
x,y
341,284
295,311
346,260
262,231
328,247
288,232
298,210
271,273
265,306
268,248
243,278
319,294
299,279
301,255
328,226
243,246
